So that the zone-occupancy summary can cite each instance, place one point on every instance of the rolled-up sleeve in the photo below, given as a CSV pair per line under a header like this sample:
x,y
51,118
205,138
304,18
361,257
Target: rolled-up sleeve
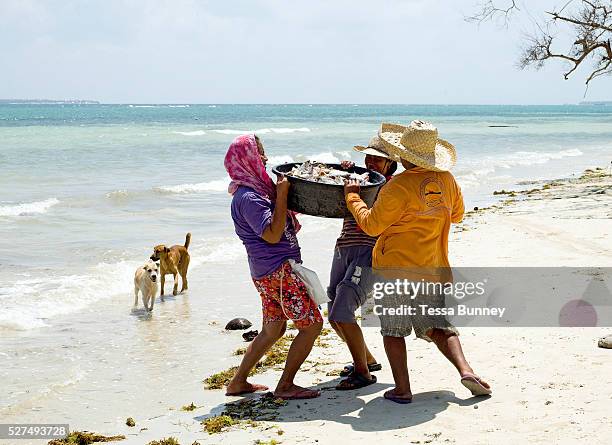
x,y
387,210
458,205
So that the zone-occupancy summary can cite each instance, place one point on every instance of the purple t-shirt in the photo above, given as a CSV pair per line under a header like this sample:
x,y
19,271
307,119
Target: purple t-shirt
x,y
252,213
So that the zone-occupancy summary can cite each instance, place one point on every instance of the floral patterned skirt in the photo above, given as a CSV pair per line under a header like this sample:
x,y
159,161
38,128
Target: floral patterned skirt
x,y
296,304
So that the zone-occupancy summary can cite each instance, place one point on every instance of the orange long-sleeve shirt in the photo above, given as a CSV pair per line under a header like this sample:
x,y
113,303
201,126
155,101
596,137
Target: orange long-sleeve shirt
x,y
412,214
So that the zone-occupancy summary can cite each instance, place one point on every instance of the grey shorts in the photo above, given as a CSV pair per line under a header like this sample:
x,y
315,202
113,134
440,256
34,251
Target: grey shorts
x,y
344,291
401,325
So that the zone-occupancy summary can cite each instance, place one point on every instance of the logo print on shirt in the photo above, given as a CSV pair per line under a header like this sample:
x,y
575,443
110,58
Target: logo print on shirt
x,y
432,192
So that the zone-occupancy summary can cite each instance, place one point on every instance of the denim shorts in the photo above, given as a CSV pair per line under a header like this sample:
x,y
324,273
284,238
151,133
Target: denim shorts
x,y
344,290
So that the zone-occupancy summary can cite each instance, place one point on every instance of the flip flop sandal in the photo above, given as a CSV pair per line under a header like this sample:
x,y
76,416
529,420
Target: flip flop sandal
x,y
373,367
349,369
355,381
472,382
401,400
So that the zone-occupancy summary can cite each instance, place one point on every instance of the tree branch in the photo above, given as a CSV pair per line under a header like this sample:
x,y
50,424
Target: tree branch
x,y
593,25
590,25
488,11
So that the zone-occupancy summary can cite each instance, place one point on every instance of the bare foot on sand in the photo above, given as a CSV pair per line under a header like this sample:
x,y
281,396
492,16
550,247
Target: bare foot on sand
x,y
398,397
294,392
238,388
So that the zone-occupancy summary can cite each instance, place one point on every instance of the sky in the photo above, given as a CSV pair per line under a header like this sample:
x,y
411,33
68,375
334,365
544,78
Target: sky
x,y
275,51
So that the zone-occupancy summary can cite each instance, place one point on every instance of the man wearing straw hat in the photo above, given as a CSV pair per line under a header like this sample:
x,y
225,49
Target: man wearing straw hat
x,y
412,217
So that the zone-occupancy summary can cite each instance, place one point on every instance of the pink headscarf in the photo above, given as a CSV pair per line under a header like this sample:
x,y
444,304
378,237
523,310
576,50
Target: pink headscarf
x,y
245,167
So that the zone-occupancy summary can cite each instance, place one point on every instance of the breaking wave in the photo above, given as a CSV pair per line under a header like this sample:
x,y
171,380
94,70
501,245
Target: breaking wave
x,y
264,131
217,185
28,208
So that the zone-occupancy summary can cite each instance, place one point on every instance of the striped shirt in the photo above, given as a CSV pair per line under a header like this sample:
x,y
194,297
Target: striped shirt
x,y
352,235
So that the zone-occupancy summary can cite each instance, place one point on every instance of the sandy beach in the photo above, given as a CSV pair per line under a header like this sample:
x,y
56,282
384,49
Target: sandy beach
x,y
142,131
551,385
139,131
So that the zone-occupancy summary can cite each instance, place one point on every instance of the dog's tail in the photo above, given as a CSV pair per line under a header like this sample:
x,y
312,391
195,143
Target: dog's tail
x,y
187,240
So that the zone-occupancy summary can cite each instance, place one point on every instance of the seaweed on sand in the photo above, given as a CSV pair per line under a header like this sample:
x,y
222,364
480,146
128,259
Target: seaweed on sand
x,y
189,407
598,172
275,356
504,192
261,408
240,351
216,424
478,210
245,412
220,379
166,441
84,438
320,343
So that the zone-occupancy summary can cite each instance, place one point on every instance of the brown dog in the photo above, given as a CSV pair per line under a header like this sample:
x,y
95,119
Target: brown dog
x,y
174,260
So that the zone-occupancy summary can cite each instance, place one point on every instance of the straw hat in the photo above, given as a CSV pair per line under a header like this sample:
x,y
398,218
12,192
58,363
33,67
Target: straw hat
x,y
376,148
419,144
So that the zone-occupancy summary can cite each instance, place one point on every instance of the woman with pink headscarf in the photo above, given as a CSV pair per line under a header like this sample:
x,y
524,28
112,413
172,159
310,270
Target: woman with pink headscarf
x,y
268,231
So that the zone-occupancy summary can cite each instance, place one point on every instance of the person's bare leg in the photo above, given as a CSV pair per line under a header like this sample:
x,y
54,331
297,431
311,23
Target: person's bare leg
x,y
356,344
395,347
449,344
338,328
270,333
369,357
298,351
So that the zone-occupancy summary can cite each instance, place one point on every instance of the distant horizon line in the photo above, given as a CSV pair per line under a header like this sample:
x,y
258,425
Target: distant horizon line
x,y
95,102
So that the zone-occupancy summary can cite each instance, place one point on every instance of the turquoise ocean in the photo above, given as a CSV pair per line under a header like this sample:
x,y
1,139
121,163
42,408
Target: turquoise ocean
x,y
87,190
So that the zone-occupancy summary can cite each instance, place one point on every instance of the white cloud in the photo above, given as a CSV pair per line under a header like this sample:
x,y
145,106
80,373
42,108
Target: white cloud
x,y
267,51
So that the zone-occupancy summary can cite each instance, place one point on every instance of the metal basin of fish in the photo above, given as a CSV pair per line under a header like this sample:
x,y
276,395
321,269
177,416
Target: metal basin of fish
x,y
326,200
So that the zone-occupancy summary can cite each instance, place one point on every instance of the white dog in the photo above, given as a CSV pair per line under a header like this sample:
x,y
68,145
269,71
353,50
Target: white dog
x,y
145,281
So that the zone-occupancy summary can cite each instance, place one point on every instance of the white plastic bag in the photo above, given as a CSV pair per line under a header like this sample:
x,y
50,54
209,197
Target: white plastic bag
x,y
312,282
